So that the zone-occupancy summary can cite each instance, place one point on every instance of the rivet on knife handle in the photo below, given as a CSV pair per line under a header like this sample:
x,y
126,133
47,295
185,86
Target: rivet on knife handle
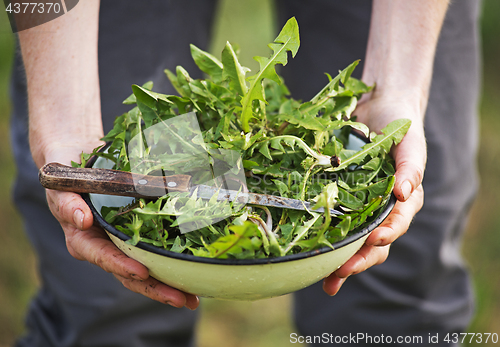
x,y
112,182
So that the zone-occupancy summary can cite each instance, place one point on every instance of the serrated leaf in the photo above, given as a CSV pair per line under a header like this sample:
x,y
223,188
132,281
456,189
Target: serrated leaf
x,y
178,245
175,83
301,232
180,80
332,88
328,196
287,40
238,240
233,71
393,133
282,187
370,208
207,63
305,120
132,99
135,227
357,87
148,97
276,144
264,149
348,200
345,226
373,164
346,73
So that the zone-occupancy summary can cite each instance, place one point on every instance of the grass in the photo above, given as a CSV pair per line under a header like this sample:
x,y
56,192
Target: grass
x,y
267,322
245,324
482,240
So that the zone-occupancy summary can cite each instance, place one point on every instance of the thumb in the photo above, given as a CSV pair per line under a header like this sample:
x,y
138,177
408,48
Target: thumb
x,y
70,208
410,156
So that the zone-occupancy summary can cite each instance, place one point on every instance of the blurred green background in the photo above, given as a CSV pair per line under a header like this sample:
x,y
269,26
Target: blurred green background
x,y
267,323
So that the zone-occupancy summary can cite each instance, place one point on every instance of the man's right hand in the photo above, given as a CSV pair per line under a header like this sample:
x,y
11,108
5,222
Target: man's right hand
x,y
60,59
89,242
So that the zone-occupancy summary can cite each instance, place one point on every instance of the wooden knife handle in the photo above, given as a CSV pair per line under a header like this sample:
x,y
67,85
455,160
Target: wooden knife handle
x,y
111,182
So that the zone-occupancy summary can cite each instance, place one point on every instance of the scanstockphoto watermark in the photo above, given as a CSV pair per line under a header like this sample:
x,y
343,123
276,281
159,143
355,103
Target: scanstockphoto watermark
x,y
359,338
429,339
29,14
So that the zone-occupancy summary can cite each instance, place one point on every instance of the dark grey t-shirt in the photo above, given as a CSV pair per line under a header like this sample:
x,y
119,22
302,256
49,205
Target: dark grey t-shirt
x,y
422,287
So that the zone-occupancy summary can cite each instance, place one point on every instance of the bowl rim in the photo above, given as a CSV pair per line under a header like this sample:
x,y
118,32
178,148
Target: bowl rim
x,y
389,205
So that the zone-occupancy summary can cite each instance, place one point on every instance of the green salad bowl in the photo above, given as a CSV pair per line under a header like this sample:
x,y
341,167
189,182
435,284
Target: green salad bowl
x,y
235,279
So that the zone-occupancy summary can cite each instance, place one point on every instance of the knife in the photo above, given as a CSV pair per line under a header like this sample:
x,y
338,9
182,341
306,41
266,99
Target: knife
x,y
113,182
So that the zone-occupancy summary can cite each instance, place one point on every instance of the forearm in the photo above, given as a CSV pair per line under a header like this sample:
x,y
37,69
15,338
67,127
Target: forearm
x,y
401,47
60,59
399,60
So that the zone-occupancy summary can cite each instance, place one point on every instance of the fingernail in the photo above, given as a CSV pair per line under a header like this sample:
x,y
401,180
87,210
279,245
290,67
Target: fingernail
x,y
406,189
171,303
136,277
139,278
78,219
192,302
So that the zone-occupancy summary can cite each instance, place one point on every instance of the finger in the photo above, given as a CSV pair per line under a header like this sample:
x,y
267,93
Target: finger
x,y
160,292
94,246
410,156
192,301
398,221
365,258
70,208
332,284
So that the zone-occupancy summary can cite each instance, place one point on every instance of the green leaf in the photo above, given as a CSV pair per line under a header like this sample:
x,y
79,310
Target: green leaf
x,y
290,141
135,227
264,149
305,120
333,147
344,106
346,73
148,97
345,226
282,187
132,99
332,88
379,188
373,164
175,83
301,232
207,63
236,242
357,87
287,40
368,211
233,71
178,245
350,201
180,81
328,197
393,133
144,96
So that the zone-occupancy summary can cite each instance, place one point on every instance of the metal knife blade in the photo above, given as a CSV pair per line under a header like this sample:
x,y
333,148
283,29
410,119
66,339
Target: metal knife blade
x,y
207,192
